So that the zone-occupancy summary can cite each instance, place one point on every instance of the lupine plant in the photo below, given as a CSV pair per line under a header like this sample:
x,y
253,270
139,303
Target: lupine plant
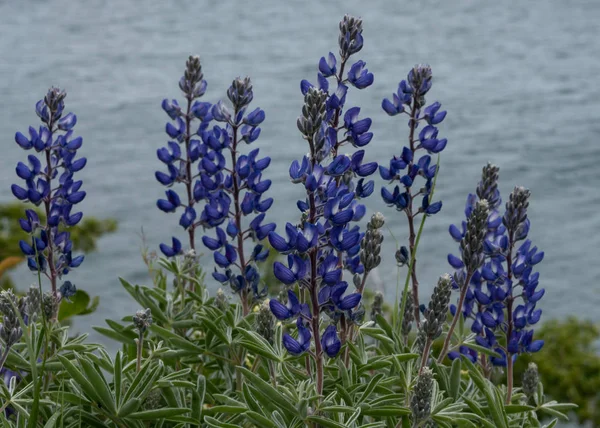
x,y
224,191
496,275
308,357
50,182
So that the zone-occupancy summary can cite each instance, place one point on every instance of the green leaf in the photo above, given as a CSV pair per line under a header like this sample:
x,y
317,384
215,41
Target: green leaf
x,y
216,330
454,380
79,305
482,349
258,344
198,398
165,413
129,407
518,408
259,420
386,411
370,387
268,390
215,423
99,384
52,421
81,380
117,373
327,423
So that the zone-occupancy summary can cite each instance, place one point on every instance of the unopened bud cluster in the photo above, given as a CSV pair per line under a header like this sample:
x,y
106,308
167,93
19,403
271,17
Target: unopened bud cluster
x,y
438,308
142,320
313,112
377,307
531,379
50,306
515,217
53,99
33,303
221,300
350,38
488,186
264,322
371,244
420,403
10,329
409,317
191,78
240,92
472,244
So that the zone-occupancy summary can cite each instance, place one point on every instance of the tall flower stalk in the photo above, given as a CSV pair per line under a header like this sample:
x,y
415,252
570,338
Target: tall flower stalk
x,y
234,191
404,169
471,247
324,244
218,192
183,152
49,182
491,296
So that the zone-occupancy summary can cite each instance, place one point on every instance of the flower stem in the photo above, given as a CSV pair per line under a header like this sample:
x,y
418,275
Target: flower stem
x,y
510,322
459,313
238,217
411,217
188,170
140,349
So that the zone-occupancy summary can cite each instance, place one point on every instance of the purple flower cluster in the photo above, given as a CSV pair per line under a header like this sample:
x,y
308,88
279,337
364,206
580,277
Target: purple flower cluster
x,y
228,190
325,242
506,274
49,182
183,152
236,191
404,169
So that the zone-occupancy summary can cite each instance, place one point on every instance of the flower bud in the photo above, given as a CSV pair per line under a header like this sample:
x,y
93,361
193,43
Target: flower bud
x,y
142,320
531,378
421,399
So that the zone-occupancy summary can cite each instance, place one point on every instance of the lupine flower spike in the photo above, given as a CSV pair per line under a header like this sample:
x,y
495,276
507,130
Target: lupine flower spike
x,y
435,315
50,182
186,130
490,300
233,187
405,169
471,247
325,243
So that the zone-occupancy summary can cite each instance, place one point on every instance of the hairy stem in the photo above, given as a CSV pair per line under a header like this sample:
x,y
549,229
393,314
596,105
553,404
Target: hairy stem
x,y
238,216
410,218
457,315
510,322
425,355
140,349
188,170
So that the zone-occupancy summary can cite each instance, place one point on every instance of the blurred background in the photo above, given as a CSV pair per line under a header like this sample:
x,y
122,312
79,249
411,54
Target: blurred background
x,y
519,81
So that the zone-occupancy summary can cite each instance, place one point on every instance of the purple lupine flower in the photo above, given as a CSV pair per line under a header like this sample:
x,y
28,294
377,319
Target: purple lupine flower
x,y
331,342
404,169
493,287
325,242
232,186
302,343
183,151
49,182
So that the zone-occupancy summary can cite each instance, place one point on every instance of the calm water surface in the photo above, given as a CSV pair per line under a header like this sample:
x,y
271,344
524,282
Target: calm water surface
x,y
520,84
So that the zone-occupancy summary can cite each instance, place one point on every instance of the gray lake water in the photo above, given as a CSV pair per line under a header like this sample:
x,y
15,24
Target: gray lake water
x,y
519,81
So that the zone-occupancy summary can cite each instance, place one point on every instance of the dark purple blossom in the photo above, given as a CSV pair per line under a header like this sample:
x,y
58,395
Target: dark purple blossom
x,y
49,182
